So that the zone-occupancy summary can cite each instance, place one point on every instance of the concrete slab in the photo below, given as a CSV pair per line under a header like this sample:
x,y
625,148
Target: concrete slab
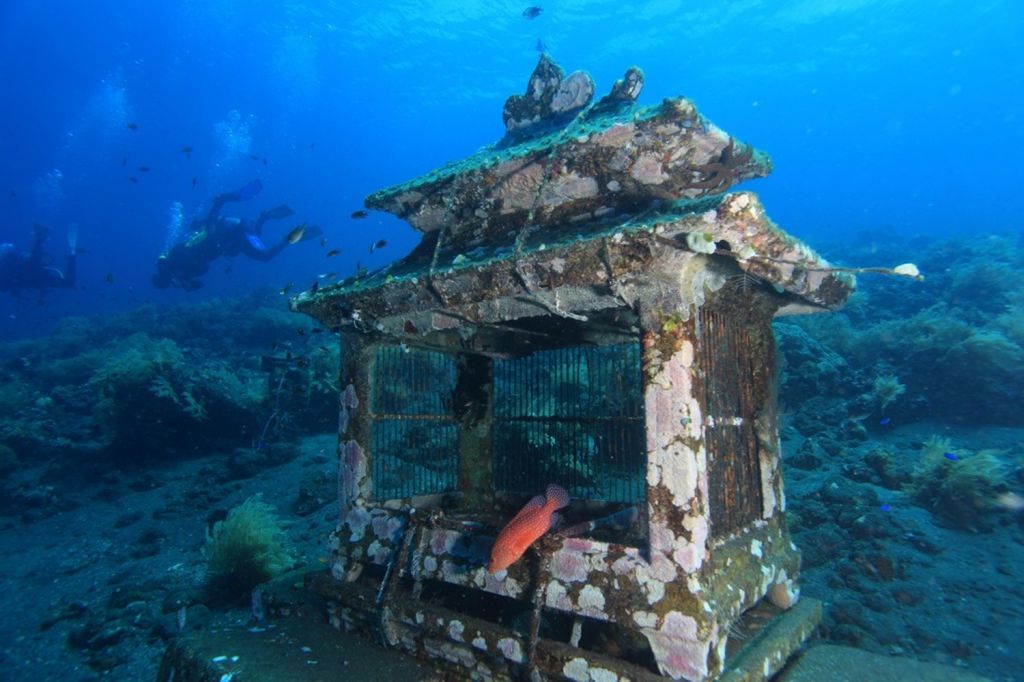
x,y
845,664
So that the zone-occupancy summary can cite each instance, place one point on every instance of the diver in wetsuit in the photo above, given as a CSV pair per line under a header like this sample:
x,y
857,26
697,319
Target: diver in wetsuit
x,y
34,270
214,236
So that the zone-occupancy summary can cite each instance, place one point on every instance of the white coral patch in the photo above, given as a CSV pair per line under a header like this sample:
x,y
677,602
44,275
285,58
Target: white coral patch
x,y
567,188
648,170
576,669
591,599
645,619
511,649
557,597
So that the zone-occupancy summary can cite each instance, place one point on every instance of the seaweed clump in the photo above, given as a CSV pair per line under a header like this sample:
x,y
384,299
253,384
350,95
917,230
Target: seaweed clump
x,y
245,549
960,488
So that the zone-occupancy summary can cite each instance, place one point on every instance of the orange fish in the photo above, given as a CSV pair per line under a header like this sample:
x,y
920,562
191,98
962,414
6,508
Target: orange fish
x,y
530,523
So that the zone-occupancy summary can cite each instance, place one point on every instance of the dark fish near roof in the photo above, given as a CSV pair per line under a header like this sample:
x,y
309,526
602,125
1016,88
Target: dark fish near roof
x,y
360,214
532,12
379,244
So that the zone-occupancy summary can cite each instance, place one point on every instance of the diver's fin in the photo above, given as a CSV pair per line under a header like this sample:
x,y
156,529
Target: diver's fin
x,y
73,238
40,231
249,190
277,213
243,193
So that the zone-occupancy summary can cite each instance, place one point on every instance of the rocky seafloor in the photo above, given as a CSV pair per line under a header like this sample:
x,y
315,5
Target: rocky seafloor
x,y
125,439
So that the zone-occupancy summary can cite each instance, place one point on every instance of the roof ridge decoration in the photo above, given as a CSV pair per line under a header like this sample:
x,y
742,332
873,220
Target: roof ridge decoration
x,y
565,160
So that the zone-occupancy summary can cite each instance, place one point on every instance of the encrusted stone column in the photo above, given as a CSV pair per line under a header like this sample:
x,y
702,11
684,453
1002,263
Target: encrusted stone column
x,y
680,631
354,481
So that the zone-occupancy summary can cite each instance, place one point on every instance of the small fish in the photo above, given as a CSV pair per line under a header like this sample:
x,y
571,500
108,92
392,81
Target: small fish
x,y
327,275
132,178
300,331
532,12
295,235
187,151
1010,501
124,161
286,288
333,252
316,330
194,180
323,349
886,507
264,159
143,169
950,456
254,157
323,241
530,523
316,287
312,145
884,421
359,215
13,193
379,244
133,126
109,279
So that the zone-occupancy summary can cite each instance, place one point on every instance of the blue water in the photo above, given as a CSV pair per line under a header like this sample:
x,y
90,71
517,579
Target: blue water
x,y
906,116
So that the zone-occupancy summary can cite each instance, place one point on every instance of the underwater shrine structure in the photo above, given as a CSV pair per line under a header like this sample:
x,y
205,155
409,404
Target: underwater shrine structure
x,y
589,306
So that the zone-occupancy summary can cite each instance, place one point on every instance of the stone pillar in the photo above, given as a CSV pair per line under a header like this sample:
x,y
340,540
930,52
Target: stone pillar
x,y
354,428
680,631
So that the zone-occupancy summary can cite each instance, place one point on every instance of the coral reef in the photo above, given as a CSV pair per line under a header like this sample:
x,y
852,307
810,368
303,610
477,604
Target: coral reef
x,y
157,383
955,340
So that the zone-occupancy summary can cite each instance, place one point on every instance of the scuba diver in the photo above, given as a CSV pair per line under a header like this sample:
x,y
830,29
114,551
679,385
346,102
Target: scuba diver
x,y
215,236
34,270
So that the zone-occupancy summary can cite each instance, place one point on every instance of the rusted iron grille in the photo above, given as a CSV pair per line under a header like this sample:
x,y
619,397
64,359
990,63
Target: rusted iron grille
x,y
734,472
572,416
414,435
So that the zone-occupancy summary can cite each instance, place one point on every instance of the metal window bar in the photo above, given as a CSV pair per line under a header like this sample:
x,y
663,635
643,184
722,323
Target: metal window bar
x,y
572,416
414,435
734,472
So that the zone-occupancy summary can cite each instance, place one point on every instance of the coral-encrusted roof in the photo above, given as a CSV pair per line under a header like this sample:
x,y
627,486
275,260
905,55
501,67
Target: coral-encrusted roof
x,y
598,167
664,260
621,208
